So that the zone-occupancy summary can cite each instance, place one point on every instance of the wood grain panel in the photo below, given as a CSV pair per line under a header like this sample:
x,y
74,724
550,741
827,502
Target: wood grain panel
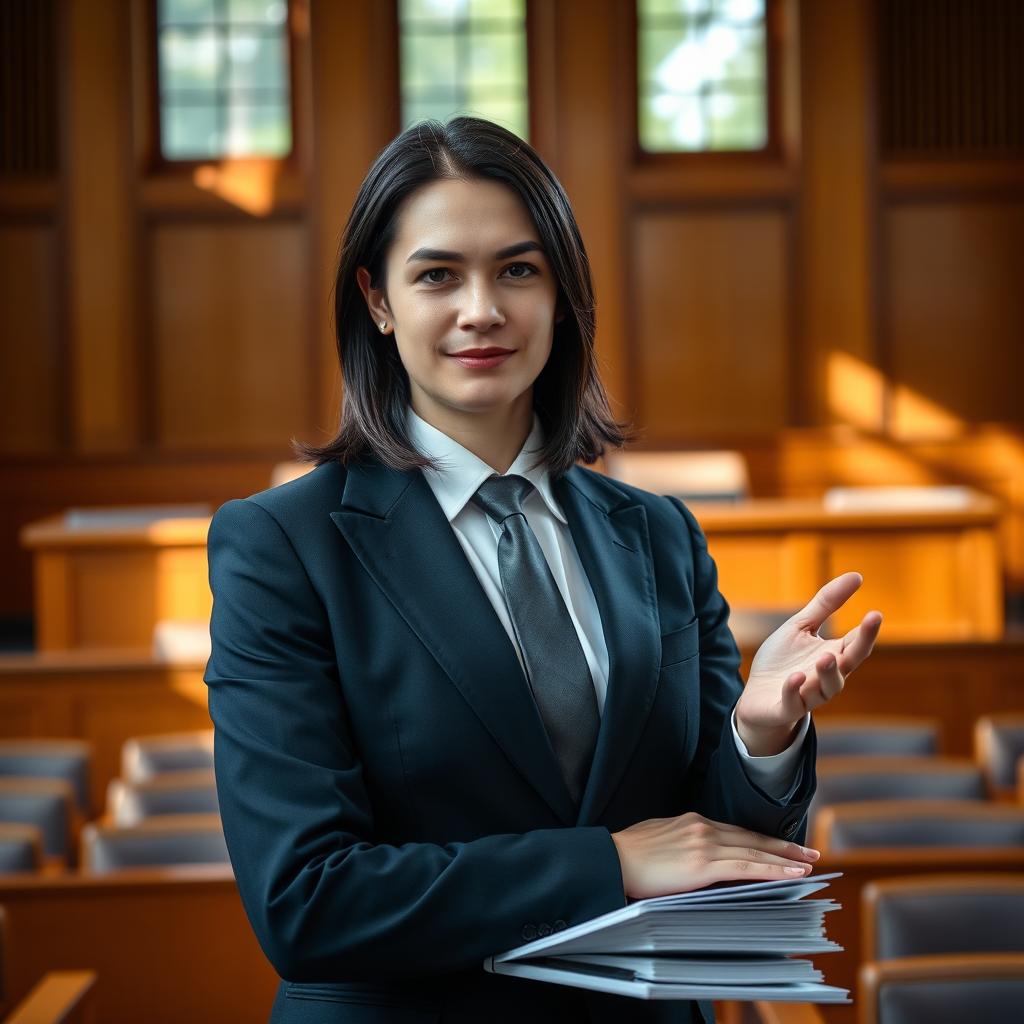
x,y
955,315
29,368
231,359
713,335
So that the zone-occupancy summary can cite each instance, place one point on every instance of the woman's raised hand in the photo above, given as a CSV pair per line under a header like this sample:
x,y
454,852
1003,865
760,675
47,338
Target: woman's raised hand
x,y
669,855
795,670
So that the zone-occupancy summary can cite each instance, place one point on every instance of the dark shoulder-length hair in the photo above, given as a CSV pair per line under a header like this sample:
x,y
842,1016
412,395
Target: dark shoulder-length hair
x,y
568,394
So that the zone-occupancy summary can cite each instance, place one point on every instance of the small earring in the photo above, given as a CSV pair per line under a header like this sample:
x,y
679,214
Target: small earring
x,y
383,326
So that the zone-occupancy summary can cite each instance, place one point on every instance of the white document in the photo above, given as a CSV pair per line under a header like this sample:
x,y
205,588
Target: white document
x,y
727,942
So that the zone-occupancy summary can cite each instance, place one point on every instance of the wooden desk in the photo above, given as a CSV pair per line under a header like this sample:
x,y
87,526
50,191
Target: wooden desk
x,y
108,587
167,944
935,574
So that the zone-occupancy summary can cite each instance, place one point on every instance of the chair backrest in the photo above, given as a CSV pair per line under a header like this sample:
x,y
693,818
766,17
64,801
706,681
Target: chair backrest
x,y
964,824
895,735
942,989
177,793
174,839
998,746
50,759
930,914
145,757
21,848
868,777
45,803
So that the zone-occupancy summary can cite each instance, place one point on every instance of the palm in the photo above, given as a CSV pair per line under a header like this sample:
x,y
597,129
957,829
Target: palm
x,y
795,670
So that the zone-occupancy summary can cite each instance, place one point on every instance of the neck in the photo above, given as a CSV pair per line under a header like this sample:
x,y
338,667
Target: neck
x,y
495,436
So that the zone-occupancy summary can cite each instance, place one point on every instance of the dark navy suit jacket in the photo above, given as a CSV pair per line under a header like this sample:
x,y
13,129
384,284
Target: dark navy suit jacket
x,y
393,810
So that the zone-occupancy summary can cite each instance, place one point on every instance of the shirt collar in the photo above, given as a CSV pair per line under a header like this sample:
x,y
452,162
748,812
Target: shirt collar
x,y
460,472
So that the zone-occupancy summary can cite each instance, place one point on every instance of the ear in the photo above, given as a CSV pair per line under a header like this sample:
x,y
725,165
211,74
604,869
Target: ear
x,y
376,301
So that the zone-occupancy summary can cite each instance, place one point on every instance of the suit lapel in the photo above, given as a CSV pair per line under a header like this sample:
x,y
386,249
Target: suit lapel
x,y
610,534
396,528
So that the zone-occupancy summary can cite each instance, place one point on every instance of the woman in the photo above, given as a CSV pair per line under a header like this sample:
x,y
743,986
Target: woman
x,y
465,691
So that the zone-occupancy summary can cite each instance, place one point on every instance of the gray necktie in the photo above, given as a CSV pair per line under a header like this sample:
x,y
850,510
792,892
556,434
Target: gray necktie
x,y
556,667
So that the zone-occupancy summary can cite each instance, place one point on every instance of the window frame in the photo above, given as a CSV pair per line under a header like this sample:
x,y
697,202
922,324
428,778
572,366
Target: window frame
x,y
531,17
773,149
159,163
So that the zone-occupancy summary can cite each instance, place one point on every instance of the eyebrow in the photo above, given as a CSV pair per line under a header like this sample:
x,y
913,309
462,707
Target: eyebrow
x,y
456,257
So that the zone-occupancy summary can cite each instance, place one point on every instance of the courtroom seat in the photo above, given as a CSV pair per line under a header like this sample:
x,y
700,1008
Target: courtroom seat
x,y
901,824
998,747
866,777
128,803
68,759
937,914
896,735
145,757
46,803
174,839
952,989
59,997
21,848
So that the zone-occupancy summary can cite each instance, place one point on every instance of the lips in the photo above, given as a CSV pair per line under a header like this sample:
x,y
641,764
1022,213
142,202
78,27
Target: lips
x,y
480,353
482,358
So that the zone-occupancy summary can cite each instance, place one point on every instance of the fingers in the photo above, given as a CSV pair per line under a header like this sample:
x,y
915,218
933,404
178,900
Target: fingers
x,y
737,836
833,595
859,642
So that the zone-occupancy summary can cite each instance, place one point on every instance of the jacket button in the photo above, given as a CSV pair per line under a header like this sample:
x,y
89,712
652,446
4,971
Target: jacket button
x,y
529,932
559,926
543,929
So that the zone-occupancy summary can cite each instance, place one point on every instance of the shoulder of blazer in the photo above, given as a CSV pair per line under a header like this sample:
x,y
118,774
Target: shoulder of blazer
x,y
609,494
318,490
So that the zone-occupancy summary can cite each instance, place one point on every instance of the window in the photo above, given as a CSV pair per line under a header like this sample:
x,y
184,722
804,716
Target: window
x,y
464,56
702,82
223,74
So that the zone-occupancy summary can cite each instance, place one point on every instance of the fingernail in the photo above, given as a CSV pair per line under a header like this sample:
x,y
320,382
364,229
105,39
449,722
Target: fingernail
x,y
796,871
808,852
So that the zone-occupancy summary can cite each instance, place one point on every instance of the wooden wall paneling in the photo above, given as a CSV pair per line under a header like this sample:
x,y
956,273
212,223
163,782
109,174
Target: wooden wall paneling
x,y
100,238
354,69
228,314
168,945
955,314
845,382
713,328
30,369
592,93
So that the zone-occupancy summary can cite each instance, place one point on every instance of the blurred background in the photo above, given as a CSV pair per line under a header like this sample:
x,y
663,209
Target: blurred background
x,y
805,220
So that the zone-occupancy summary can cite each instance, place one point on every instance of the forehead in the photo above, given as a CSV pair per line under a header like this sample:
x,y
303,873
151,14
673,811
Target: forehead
x,y
462,215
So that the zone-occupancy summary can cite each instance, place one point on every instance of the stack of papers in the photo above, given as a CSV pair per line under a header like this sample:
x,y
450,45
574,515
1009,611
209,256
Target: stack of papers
x,y
729,942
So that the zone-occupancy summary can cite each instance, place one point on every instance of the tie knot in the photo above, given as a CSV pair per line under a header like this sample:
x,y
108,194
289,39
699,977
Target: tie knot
x,y
502,496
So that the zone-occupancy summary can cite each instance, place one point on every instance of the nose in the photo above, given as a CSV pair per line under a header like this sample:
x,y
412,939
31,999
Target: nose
x,y
480,307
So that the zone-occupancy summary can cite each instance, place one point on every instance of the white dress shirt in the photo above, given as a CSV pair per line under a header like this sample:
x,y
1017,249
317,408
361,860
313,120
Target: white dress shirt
x,y
454,483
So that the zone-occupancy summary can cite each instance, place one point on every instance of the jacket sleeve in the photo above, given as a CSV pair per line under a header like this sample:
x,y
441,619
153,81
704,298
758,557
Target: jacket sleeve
x,y
717,784
326,901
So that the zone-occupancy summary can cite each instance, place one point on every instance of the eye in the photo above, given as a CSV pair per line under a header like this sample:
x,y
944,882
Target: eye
x,y
427,277
517,271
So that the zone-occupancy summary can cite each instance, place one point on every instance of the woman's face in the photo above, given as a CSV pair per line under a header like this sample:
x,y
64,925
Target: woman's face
x,y
470,297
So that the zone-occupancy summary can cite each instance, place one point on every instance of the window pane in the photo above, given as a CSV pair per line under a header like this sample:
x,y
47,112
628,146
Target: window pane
x,y
427,61
737,121
702,74
190,12
257,62
189,133
496,59
263,130
190,59
461,56
224,79
258,12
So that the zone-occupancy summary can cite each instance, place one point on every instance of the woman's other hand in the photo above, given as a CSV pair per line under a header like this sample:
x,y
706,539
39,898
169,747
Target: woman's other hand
x,y
796,671
670,855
